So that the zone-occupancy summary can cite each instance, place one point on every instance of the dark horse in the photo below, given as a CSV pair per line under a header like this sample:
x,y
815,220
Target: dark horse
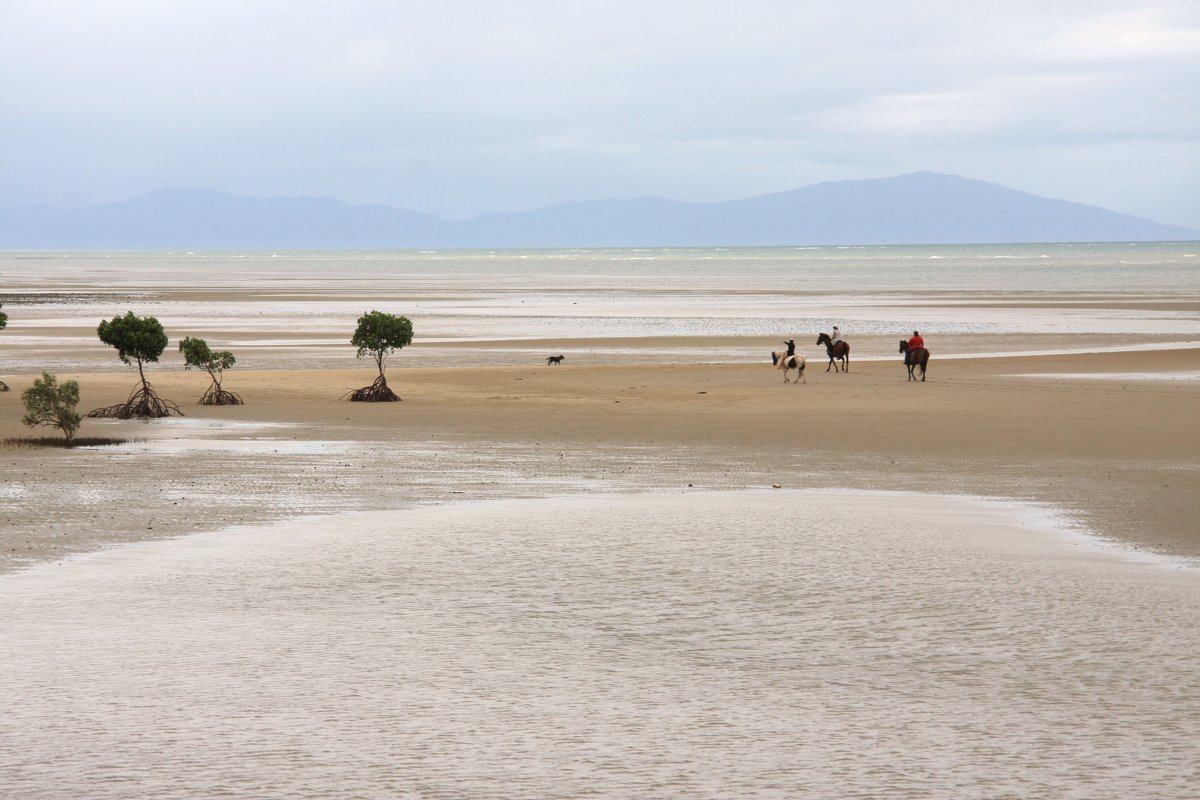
x,y
918,357
840,351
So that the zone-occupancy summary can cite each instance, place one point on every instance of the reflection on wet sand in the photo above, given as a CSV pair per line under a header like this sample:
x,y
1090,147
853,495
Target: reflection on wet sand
x,y
763,644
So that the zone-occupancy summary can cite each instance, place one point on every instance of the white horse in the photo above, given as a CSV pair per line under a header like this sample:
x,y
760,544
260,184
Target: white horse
x,y
788,363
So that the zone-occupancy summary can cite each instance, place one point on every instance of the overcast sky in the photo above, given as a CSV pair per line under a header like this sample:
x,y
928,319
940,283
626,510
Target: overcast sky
x,y
458,108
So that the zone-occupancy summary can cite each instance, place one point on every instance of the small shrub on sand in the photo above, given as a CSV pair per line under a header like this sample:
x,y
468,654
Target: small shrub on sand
x,y
143,340
196,353
379,334
49,403
3,325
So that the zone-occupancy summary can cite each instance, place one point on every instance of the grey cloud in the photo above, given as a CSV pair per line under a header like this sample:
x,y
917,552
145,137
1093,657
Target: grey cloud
x,y
511,105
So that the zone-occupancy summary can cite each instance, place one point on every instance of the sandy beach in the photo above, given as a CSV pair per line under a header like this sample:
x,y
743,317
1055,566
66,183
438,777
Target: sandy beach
x,y
1109,438
657,570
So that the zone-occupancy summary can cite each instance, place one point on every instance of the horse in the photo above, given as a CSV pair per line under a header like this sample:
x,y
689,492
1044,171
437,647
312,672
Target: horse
x,y
917,357
840,351
788,363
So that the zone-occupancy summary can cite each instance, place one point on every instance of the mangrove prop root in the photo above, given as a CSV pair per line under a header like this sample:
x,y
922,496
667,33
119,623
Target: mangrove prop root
x,y
143,403
216,396
377,392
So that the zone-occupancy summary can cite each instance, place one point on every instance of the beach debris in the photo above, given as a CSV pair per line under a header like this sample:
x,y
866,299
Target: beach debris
x,y
776,486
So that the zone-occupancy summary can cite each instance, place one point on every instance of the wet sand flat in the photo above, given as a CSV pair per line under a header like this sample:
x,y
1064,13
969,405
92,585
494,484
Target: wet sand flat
x,y
1120,455
666,381
684,643
525,580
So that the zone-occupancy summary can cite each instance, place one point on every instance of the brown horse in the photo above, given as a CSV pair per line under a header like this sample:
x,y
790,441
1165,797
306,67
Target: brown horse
x,y
840,351
917,357
788,363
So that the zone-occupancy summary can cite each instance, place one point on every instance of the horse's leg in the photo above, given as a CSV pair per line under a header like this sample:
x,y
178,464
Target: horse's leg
x,y
830,363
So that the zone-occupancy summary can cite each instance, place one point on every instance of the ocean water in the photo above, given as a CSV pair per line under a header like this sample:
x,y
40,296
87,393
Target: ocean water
x,y
737,644
297,308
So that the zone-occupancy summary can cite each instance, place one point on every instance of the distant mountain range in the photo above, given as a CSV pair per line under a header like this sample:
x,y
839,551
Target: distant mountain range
x,y
921,208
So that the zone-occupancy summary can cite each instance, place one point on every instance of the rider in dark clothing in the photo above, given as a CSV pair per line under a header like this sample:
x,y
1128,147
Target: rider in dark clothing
x,y
791,347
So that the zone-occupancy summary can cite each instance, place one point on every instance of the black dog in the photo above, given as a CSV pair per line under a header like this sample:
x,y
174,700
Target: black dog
x,y
554,360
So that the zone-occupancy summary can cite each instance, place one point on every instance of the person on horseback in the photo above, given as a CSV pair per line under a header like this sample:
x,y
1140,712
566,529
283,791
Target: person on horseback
x,y
791,347
835,337
913,343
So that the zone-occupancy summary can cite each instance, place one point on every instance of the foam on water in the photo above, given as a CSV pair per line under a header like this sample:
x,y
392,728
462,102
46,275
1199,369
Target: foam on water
x,y
751,644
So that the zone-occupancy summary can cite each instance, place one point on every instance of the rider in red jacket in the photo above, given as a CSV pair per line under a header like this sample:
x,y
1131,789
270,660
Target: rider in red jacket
x,y
913,343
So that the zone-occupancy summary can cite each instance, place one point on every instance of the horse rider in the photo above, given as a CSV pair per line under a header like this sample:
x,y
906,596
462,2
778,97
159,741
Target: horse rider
x,y
913,343
791,347
835,338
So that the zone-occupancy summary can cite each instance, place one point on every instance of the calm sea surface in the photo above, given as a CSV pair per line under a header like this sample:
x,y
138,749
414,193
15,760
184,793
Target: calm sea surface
x,y
1138,267
752,644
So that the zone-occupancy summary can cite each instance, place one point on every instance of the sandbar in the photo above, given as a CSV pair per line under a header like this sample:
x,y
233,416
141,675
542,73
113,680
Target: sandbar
x,y
1121,457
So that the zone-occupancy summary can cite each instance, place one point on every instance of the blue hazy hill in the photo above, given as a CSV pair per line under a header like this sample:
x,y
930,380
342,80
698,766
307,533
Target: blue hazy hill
x,y
921,208
203,219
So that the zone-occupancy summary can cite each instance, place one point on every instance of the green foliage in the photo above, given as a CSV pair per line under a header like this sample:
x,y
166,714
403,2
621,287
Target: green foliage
x,y
196,353
140,338
379,334
3,325
48,403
